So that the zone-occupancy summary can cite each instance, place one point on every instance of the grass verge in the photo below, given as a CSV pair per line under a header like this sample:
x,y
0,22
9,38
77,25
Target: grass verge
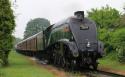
x,y
111,61
21,67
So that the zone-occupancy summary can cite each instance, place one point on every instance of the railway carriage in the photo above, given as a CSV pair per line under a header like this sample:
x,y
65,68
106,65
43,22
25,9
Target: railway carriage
x,y
70,43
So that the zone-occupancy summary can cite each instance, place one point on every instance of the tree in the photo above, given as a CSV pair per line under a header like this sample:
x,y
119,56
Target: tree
x,y
106,17
16,40
34,26
7,25
122,21
118,43
107,20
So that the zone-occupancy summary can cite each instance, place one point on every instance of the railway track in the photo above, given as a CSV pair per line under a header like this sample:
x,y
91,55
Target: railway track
x,y
79,72
93,73
99,73
111,74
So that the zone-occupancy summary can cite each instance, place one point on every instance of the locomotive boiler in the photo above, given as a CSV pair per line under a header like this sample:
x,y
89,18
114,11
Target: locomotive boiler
x,y
70,43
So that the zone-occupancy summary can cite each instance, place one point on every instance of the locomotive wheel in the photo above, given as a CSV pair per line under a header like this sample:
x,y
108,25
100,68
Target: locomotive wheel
x,y
55,60
58,59
49,56
63,62
95,65
73,65
67,64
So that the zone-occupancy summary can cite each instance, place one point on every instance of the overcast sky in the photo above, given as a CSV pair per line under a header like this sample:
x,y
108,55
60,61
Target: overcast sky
x,y
55,10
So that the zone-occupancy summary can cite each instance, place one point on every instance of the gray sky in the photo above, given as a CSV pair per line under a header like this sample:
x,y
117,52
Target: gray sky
x,y
55,10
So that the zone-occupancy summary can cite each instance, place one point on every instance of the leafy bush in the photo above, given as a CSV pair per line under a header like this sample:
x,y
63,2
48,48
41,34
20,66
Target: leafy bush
x,y
121,54
118,43
111,29
105,35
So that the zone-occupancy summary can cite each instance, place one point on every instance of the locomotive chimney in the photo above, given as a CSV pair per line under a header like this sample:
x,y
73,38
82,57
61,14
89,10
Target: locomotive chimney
x,y
79,14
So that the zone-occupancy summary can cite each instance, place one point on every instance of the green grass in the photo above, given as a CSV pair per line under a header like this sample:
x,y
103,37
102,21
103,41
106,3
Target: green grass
x,y
20,66
111,61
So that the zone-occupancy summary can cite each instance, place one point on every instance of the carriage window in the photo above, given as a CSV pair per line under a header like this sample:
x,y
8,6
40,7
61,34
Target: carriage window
x,y
84,27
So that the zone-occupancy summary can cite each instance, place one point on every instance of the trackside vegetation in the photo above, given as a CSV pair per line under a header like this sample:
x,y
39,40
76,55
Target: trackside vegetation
x,y
111,28
36,25
111,62
20,66
7,25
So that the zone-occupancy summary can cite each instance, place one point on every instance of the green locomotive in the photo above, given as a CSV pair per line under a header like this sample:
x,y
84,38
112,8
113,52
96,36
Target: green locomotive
x,y
70,43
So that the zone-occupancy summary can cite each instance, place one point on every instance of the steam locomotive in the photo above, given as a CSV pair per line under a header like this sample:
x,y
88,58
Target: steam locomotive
x,y
70,43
